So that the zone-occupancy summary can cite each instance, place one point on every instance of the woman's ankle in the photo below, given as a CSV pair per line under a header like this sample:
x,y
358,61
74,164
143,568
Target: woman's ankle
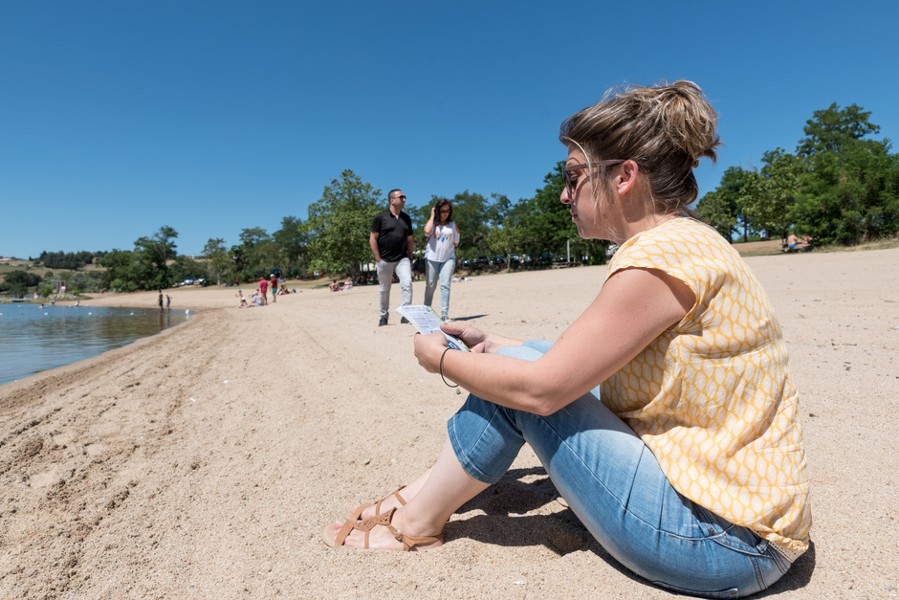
x,y
413,523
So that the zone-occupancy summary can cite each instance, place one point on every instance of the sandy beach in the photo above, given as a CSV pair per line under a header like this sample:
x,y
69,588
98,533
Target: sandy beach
x,y
204,461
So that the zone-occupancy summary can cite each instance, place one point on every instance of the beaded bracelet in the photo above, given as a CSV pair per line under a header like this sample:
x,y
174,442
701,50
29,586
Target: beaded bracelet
x,y
441,368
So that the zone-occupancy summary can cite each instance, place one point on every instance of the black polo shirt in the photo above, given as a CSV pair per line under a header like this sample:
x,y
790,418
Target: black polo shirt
x,y
392,234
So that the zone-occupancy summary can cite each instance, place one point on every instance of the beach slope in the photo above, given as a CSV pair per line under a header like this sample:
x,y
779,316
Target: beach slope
x,y
204,461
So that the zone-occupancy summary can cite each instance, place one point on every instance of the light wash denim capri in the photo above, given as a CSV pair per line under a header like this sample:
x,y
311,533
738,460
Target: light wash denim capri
x,y
616,488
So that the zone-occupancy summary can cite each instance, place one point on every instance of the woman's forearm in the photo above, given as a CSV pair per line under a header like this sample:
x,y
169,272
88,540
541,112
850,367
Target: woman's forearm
x,y
506,381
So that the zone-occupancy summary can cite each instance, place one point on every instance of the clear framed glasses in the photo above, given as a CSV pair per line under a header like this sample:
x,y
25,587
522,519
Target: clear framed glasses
x,y
572,178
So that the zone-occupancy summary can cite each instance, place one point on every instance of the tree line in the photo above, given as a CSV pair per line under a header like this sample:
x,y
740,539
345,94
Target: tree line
x,y
840,186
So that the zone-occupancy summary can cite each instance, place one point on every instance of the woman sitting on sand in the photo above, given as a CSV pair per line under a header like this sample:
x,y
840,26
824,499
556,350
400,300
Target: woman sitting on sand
x,y
690,471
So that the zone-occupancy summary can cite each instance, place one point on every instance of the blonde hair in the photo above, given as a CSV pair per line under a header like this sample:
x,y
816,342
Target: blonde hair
x,y
664,128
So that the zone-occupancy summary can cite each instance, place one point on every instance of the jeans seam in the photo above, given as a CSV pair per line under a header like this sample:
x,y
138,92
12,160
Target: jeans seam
x,y
757,569
587,468
467,463
625,505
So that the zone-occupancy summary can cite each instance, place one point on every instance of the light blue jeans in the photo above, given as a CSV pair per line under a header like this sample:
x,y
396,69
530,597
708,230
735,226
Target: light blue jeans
x,y
443,271
615,486
403,269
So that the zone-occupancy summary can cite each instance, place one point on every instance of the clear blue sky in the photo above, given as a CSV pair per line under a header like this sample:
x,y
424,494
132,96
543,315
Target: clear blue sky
x,y
118,117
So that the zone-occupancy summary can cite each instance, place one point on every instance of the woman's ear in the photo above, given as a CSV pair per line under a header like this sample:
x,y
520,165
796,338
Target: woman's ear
x,y
627,176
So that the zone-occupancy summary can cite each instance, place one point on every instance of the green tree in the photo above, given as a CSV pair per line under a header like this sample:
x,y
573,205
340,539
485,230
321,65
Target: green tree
x,y
504,235
79,283
850,197
219,260
725,207
119,275
718,210
470,212
259,253
66,260
832,129
339,225
152,255
849,193
771,208
545,227
292,244
184,267
18,282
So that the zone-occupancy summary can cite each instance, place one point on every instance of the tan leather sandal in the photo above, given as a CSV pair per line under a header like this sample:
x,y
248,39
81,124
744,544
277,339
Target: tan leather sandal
x,y
383,520
357,512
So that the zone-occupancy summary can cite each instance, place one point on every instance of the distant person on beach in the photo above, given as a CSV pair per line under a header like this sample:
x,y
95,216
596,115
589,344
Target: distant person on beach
x,y
392,244
806,243
168,302
792,242
274,286
263,289
440,256
666,415
159,300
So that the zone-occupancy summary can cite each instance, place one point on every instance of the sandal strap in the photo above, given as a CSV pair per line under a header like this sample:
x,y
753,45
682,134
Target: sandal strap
x,y
387,497
357,512
385,520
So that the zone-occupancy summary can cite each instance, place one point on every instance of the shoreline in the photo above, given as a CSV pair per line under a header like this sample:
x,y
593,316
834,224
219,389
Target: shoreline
x,y
204,460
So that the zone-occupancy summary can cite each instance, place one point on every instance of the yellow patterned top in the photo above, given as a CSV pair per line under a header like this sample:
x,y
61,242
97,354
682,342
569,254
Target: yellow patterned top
x,y
713,397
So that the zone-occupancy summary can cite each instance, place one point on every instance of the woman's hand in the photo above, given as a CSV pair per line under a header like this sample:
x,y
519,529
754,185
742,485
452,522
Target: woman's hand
x,y
428,348
429,226
477,340
474,338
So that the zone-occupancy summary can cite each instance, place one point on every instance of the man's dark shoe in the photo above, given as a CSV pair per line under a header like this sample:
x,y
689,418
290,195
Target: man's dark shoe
x,y
382,322
404,320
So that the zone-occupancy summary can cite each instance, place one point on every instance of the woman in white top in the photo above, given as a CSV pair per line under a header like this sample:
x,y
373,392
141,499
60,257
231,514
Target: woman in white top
x,y
443,239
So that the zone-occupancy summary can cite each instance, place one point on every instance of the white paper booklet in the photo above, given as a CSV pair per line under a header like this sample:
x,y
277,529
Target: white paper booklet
x,y
426,321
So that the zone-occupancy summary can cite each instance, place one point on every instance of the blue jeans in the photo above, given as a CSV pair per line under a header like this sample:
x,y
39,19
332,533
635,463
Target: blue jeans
x,y
615,486
443,270
403,269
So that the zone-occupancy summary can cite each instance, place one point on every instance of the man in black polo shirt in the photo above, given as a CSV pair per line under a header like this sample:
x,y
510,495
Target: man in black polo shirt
x,y
392,243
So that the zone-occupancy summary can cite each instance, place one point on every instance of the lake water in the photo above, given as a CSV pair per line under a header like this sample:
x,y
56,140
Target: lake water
x,y
34,339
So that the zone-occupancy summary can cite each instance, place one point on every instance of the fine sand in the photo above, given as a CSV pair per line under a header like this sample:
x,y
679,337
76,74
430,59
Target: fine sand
x,y
203,462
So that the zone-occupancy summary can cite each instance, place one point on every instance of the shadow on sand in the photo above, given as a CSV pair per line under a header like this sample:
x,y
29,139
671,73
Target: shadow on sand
x,y
505,522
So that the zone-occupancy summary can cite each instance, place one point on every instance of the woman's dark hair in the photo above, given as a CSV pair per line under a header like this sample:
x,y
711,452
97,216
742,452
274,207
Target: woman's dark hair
x,y
441,203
